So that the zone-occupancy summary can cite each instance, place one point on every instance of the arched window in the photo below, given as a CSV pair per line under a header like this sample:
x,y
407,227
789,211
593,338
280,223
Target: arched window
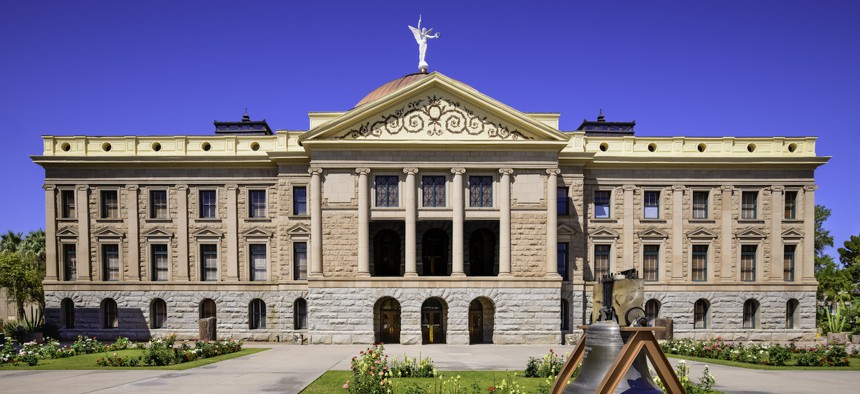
x,y
157,313
207,308
300,314
700,314
565,315
110,318
652,310
67,308
750,314
257,314
791,315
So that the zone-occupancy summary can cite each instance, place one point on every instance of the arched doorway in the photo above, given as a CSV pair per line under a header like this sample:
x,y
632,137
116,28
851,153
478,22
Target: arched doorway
x,y
433,321
434,252
386,253
387,320
481,313
482,248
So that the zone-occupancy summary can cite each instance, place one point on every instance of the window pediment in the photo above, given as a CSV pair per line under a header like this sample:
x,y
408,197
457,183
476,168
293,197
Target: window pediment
x,y
750,233
257,232
701,233
792,233
207,233
603,233
108,232
67,232
564,229
157,233
652,233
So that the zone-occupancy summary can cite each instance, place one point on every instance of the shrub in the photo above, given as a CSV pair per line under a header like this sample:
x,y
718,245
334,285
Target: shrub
x,y
7,352
705,385
370,374
778,355
548,366
824,356
160,352
87,345
121,343
421,367
117,361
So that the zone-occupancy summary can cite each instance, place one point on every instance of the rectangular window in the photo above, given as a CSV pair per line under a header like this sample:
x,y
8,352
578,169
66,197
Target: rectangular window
x,y
300,260
386,190
562,204
562,259
67,201
110,262
700,263
748,254
652,204
788,263
109,204
158,204
700,314
700,205
300,200
601,204
749,205
70,260
209,262
791,205
433,188
601,260
159,262
208,204
481,191
258,261
257,203
650,263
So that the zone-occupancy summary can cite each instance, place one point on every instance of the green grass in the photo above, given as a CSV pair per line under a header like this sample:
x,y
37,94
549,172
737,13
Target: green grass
x,y
88,361
332,381
854,364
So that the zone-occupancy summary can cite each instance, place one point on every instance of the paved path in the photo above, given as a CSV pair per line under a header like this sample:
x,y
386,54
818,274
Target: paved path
x,y
289,368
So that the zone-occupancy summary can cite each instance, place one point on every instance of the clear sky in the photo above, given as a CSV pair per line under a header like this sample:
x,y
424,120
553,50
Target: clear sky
x,y
694,68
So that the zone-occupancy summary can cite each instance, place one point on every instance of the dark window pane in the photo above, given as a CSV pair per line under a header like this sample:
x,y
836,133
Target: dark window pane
x,y
257,207
69,262
208,204
110,204
110,261
300,260
562,205
748,257
481,191
790,205
749,205
651,256
300,200
258,262
433,191
158,204
67,200
601,204
652,205
159,262
386,190
700,205
209,262
700,263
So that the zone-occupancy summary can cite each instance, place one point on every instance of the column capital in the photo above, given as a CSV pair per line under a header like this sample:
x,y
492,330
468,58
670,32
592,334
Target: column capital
x,y
553,171
132,187
678,188
727,188
506,171
458,171
362,171
182,187
231,186
82,187
315,171
810,188
410,171
49,188
777,188
628,187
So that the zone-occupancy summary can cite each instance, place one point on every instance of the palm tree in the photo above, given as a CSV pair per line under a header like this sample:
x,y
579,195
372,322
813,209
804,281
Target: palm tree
x,y
11,241
34,243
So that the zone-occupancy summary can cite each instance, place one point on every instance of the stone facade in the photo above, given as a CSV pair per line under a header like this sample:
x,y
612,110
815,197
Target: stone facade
x,y
483,249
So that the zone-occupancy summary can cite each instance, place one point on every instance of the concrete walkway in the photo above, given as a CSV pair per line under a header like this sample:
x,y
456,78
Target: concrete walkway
x,y
289,368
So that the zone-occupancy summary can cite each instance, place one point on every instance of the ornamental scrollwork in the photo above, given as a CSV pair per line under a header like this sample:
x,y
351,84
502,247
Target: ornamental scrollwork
x,y
434,116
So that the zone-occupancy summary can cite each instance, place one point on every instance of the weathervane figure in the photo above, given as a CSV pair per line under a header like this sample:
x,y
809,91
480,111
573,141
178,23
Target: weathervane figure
x,y
421,37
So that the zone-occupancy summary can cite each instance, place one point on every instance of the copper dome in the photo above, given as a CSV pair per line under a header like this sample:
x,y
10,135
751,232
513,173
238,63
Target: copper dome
x,y
391,87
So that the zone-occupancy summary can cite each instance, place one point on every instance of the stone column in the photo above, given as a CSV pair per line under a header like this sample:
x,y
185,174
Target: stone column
x,y
627,236
316,222
133,256
776,249
181,234
505,222
726,274
457,222
363,222
84,256
552,223
232,234
410,201
677,232
51,261
806,269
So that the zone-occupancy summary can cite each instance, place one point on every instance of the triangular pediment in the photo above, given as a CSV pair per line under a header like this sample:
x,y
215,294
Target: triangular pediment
x,y
435,109
299,229
652,233
792,233
750,233
701,233
108,232
603,232
257,232
564,229
157,233
206,233
67,232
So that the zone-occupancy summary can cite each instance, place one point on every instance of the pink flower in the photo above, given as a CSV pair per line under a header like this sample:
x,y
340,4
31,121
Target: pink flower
x,y
346,385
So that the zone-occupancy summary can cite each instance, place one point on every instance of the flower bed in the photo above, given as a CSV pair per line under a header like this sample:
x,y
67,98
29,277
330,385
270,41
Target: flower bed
x,y
762,354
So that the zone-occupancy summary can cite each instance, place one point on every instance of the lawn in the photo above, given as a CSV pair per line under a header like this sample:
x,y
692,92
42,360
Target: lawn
x,y
88,361
332,381
854,364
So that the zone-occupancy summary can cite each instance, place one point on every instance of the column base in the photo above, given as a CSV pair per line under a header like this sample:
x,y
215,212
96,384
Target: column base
x,y
410,275
362,275
504,275
458,275
552,275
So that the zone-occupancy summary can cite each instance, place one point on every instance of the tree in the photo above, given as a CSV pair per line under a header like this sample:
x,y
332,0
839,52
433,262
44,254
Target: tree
x,y
849,256
21,276
11,241
34,243
823,238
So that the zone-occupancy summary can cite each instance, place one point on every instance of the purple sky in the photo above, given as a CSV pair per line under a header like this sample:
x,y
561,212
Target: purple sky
x,y
737,68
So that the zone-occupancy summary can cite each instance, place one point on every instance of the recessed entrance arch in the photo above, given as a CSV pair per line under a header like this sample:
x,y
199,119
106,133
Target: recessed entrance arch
x,y
481,320
386,253
434,253
482,250
387,320
434,321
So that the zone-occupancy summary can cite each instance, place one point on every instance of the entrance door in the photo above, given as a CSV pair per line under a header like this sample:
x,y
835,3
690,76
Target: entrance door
x,y
434,247
432,322
476,322
389,321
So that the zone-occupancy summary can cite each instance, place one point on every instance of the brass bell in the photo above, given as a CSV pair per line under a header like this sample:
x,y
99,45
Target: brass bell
x,y
603,343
